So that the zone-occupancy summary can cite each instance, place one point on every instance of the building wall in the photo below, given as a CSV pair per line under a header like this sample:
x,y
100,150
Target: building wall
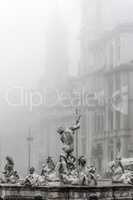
x,y
112,130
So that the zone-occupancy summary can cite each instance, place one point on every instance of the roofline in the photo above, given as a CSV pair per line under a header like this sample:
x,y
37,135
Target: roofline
x,y
108,35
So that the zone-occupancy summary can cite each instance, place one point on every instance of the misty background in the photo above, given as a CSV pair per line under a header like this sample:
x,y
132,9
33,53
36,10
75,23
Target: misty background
x,y
26,29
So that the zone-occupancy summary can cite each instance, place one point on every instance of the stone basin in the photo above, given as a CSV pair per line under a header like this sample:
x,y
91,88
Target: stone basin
x,y
66,192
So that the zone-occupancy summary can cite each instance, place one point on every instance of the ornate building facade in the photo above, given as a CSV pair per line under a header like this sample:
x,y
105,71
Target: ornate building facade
x,y
106,71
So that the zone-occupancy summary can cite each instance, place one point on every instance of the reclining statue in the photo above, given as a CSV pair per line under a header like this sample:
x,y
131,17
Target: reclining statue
x,y
49,172
32,179
9,175
117,170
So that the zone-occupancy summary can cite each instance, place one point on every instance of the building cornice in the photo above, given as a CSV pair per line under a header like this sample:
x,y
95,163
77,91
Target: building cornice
x,y
121,68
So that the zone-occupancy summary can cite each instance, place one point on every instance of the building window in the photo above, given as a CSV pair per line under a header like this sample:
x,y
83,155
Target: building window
x,y
110,86
102,121
110,117
111,56
118,114
110,150
99,122
117,81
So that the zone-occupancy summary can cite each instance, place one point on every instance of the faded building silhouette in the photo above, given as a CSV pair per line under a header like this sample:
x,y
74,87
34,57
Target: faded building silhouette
x,y
106,71
53,84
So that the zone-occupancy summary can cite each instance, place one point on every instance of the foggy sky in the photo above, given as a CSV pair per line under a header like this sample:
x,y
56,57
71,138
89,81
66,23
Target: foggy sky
x,y
23,25
22,34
